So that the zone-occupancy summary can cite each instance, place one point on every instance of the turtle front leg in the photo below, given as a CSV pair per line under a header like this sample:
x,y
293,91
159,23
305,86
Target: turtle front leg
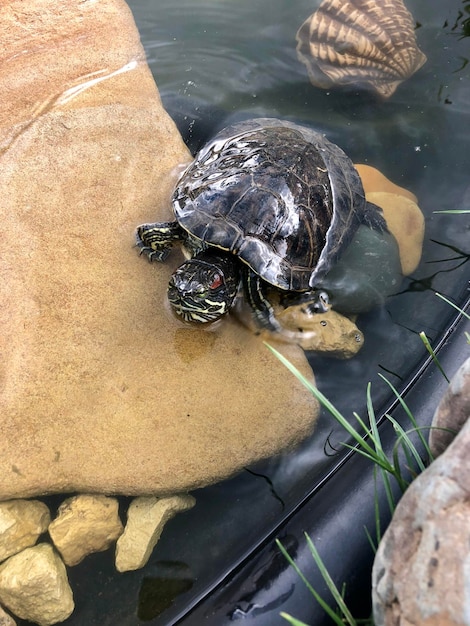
x,y
155,240
262,309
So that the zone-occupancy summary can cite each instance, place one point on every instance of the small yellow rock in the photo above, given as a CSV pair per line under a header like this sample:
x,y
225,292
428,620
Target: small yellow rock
x,y
406,223
21,523
373,180
401,211
330,332
85,524
146,518
34,586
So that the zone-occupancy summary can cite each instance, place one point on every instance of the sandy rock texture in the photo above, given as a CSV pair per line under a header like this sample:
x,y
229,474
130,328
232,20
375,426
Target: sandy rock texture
x,y
21,523
34,586
102,390
420,573
85,524
146,518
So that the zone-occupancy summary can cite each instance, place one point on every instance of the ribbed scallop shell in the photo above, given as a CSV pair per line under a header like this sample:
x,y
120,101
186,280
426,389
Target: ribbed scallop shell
x,y
369,42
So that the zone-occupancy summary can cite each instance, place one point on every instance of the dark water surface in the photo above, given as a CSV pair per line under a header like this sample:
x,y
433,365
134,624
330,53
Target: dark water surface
x,y
216,61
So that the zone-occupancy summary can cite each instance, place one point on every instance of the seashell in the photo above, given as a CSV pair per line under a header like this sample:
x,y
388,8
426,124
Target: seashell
x,y
370,42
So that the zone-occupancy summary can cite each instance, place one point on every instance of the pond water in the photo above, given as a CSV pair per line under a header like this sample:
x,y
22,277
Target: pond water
x,y
219,61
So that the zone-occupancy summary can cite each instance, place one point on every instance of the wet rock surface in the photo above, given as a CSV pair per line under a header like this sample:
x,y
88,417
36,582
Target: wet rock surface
x,y
401,211
330,333
420,573
34,586
146,518
102,389
85,524
21,524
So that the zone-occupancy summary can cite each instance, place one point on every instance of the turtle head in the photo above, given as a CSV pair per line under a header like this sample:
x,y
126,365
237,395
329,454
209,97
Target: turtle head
x,y
204,288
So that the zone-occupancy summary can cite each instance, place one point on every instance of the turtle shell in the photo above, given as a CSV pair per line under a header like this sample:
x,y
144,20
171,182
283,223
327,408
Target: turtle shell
x,y
278,195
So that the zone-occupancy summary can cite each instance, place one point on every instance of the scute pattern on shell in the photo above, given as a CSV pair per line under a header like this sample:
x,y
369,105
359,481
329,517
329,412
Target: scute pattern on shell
x,y
278,195
368,42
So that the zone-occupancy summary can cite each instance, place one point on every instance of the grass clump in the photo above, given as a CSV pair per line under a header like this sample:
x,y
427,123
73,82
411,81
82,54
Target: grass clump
x,y
404,463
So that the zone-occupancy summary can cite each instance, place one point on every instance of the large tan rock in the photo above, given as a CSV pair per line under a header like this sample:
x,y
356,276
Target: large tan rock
x,y
102,390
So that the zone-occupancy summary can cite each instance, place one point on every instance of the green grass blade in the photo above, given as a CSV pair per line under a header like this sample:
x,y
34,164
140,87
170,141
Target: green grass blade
x,y
454,211
388,489
373,421
326,607
324,401
439,295
407,445
362,424
370,540
384,463
348,618
386,467
410,416
378,529
428,346
292,620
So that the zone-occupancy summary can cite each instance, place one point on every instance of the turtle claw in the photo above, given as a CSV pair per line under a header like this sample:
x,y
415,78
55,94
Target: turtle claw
x,y
151,254
155,240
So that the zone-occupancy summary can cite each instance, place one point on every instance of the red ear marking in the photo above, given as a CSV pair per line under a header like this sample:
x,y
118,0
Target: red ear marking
x,y
217,282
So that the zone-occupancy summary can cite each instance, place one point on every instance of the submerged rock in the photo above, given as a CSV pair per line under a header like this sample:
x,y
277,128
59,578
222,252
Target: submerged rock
x,y
146,518
34,586
329,333
85,524
102,389
21,523
404,218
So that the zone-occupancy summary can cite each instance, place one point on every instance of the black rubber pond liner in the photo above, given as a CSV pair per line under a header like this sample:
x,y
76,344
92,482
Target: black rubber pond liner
x,y
335,517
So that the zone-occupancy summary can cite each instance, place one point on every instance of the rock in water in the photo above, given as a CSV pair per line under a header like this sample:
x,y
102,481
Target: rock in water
x,y
85,524
34,586
102,389
146,518
21,523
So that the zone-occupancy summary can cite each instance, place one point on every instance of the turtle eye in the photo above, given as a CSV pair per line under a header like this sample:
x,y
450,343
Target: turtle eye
x,y
217,281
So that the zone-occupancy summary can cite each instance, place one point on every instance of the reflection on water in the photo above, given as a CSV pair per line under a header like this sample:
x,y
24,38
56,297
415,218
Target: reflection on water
x,y
217,62
159,589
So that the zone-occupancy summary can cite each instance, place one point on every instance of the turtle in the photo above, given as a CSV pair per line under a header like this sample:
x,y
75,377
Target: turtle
x,y
266,206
